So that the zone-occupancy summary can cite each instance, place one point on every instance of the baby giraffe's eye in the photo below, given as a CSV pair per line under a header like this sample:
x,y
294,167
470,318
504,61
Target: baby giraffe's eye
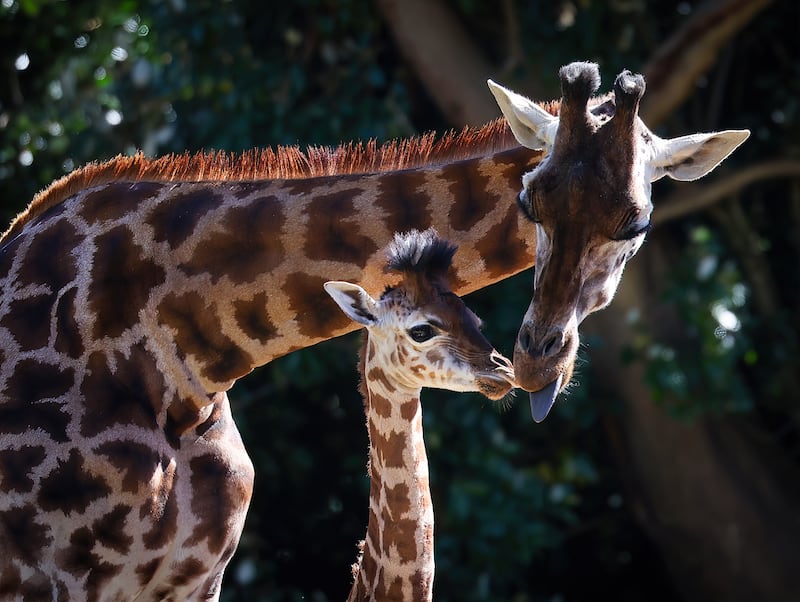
x,y
421,332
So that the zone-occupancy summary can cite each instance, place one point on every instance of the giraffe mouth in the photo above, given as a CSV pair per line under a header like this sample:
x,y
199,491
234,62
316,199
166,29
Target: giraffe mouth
x,y
497,383
543,400
494,386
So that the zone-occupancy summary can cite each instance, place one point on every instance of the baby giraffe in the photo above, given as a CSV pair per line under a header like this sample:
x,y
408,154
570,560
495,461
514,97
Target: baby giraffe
x,y
419,334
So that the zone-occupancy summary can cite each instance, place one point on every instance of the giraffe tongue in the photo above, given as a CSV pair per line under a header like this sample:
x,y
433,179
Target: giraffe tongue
x,y
543,400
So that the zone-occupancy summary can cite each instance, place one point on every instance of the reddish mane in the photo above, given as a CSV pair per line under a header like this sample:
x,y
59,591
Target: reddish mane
x,y
285,162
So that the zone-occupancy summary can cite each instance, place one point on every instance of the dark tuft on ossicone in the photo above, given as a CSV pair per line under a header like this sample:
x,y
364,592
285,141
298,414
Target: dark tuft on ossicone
x,y
420,252
579,81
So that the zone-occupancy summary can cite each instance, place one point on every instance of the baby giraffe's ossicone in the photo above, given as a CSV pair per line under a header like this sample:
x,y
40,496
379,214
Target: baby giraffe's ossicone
x,y
419,334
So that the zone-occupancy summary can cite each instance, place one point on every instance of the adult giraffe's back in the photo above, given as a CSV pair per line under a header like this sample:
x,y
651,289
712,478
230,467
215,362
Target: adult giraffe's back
x,y
134,293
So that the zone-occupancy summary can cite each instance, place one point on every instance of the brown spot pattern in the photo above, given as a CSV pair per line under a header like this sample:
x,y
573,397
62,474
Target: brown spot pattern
x,y
146,571
250,245
174,219
404,199
162,510
252,318
409,409
26,391
10,581
8,252
421,585
25,537
116,200
68,338
318,315
391,449
186,571
78,558
369,567
28,321
397,498
48,260
332,232
379,404
502,250
217,496
136,462
391,591
198,333
121,282
36,588
16,466
435,358
110,529
130,395
471,199
373,531
377,375
69,488
398,533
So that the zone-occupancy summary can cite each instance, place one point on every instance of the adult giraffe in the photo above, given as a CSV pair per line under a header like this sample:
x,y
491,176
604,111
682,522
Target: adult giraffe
x,y
134,293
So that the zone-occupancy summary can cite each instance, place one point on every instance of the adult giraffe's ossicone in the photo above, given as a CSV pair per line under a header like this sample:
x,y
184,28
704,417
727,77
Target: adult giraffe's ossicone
x,y
589,199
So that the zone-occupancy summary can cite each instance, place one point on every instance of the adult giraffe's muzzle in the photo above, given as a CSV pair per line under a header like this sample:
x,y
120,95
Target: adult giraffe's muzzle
x,y
544,358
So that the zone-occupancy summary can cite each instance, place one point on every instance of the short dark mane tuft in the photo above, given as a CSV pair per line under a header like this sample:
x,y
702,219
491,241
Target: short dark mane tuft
x,y
420,252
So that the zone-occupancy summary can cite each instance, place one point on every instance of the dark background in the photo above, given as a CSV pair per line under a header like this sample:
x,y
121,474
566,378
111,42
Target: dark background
x,y
670,469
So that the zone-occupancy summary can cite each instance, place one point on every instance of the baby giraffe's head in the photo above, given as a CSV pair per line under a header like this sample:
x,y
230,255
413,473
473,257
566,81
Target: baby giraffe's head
x,y
420,333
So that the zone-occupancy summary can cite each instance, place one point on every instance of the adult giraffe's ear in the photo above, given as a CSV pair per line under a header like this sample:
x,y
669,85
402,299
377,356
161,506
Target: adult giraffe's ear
x,y
690,157
354,301
533,127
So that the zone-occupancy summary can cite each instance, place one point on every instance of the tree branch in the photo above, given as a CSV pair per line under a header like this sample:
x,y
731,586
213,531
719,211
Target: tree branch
x,y
515,55
441,53
690,52
694,198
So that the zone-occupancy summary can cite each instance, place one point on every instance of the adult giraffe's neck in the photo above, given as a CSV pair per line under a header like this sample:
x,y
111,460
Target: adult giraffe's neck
x,y
397,561
218,277
263,255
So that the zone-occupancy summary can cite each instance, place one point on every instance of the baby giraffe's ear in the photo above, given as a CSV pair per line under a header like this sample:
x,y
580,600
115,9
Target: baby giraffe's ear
x,y
354,301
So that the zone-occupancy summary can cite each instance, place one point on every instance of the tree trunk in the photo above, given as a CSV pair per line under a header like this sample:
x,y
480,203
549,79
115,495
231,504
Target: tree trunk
x,y
720,503
449,65
690,52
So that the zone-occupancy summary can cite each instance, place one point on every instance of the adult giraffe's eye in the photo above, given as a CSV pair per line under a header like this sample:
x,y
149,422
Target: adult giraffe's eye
x,y
525,202
637,232
421,332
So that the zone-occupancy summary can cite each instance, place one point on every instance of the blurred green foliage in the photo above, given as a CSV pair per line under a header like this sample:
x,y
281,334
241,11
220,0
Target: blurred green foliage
x,y
707,292
524,512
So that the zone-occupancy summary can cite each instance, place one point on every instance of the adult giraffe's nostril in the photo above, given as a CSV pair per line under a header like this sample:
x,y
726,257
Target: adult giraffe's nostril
x,y
525,339
551,345
546,346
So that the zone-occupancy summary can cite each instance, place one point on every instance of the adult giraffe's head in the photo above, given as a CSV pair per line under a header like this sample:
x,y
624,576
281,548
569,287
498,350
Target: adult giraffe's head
x,y
589,199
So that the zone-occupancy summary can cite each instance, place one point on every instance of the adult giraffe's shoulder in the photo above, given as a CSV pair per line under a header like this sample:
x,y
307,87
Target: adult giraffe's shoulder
x,y
135,292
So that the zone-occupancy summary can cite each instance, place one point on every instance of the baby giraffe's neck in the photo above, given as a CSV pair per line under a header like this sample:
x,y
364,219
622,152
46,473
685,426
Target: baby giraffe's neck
x,y
397,562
